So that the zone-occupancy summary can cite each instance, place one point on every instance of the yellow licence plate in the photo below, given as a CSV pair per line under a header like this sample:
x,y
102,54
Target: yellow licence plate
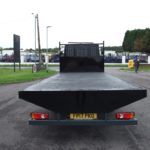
x,y
83,116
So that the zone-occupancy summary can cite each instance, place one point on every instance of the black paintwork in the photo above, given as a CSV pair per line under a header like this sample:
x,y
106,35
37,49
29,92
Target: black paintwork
x,y
83,122
82,64
82,92
82,58
89,91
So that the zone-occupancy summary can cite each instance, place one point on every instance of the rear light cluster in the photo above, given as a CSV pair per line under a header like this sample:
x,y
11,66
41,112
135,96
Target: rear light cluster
x,y
39,116
125,115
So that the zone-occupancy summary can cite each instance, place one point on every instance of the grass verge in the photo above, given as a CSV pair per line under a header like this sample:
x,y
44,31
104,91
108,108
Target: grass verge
x,y
25,65
142,67
8,76
116,65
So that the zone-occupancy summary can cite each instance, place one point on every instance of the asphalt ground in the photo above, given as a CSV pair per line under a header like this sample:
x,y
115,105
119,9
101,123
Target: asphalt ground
x,y
16,134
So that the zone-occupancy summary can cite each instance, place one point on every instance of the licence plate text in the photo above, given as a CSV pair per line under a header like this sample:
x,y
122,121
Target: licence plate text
x,y
83,116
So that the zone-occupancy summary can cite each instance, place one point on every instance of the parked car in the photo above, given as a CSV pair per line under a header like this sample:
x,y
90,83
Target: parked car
x,y
54,58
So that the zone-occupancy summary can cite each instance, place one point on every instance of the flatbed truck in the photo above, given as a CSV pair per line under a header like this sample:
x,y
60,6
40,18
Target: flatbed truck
x,y
82,93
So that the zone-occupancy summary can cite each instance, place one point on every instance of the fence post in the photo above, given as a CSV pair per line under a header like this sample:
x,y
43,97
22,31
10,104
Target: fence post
x,y
148,60
123,59
22,58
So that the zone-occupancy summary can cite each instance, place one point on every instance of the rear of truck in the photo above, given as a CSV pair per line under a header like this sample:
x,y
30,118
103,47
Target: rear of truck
x,y
82,94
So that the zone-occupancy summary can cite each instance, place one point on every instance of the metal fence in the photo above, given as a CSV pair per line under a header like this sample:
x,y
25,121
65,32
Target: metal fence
x,y
55,58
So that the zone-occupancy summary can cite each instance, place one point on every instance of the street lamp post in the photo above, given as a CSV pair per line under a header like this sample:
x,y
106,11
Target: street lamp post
x,y
46,58
35,17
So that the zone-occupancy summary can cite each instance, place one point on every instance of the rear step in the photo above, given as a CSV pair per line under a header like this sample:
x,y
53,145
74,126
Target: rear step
x,y
83,122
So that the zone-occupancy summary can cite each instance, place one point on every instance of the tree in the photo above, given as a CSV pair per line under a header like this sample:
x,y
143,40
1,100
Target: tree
x,y
138,44
146,42
114,48
137,40
127,42
1,50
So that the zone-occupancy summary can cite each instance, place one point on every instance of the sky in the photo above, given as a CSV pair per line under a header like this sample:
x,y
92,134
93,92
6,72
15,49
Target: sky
x,y
71,21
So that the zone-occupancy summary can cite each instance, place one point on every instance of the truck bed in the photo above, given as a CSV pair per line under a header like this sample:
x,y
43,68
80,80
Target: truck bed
x,y
82,92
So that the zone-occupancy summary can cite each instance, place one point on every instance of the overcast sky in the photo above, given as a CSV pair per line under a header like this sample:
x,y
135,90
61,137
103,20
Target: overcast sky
x,y
72,20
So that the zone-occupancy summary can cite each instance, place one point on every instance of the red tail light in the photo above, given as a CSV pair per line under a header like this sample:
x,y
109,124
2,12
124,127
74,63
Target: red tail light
x,y
125,115
39,116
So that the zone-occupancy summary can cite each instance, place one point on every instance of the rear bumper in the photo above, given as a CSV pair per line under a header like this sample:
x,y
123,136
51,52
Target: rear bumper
x,y
83,122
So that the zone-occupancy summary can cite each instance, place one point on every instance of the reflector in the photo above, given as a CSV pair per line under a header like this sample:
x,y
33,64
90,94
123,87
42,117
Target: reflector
x,y
125,115
39,116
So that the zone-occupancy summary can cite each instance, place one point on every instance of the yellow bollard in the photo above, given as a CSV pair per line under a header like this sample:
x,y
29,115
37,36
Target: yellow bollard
x,y
130,64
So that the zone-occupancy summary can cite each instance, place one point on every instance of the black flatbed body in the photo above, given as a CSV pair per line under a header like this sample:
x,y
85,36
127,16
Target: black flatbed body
x,y
82,89
82,92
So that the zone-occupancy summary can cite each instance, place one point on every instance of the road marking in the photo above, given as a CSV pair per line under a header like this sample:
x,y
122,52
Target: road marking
x,y
134,139
11,101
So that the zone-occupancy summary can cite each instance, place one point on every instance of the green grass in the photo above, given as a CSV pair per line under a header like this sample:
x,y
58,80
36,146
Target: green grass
x,y
116,65
143,68
57,65
8,75
25,65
